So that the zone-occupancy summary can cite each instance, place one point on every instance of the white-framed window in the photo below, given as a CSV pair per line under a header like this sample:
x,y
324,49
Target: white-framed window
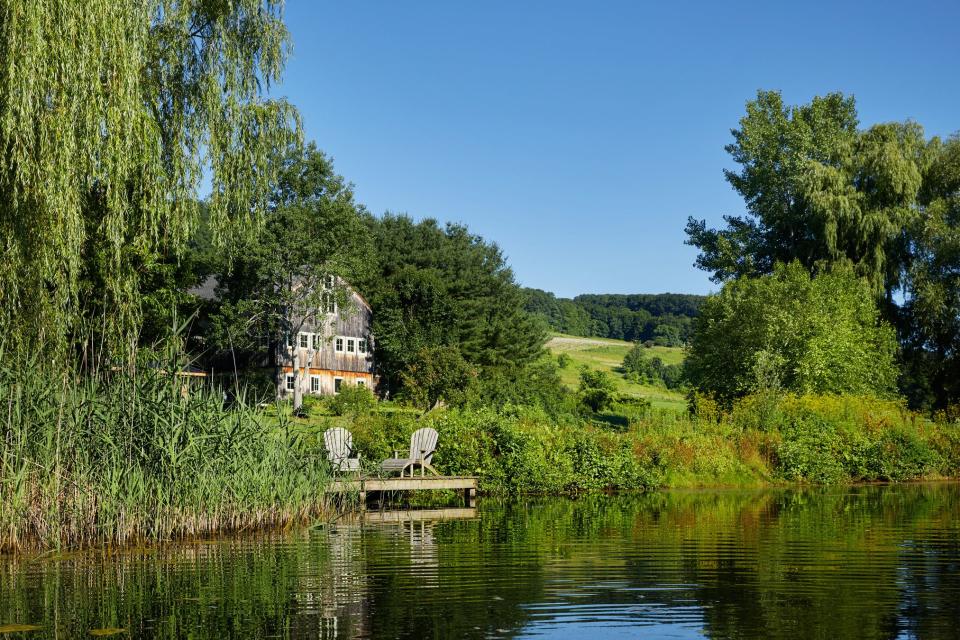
x,y
317,340
328,302
314,384
338,344
361,382
362,345
291,382
337,383
304,340
351,347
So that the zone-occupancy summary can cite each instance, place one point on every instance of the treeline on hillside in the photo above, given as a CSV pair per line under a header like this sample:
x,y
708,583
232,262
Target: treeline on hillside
x,y
664,319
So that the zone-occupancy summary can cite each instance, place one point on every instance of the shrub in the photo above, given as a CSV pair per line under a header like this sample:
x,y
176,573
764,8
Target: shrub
x,y
352,401
792,331
597,389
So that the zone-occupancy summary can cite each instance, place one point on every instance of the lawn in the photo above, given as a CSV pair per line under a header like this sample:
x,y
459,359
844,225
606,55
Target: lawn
x,y
606,354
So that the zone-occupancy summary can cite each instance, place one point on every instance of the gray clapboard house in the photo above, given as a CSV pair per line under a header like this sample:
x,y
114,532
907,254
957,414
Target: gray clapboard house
x,y
333,348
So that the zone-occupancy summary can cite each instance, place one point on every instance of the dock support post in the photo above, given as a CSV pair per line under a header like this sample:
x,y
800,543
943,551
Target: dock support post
x,y
469,497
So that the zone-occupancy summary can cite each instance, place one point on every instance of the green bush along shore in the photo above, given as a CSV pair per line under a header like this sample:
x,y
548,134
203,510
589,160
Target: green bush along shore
x,y
765,438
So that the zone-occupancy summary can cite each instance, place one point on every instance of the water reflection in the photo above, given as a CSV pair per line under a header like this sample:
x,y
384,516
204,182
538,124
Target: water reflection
x,y
865,562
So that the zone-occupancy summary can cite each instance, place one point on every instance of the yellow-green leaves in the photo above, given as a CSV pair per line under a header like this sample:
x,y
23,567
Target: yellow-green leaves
x,y
111,114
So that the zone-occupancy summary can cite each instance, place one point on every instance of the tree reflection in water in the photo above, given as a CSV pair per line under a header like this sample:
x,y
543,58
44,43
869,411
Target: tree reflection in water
x,y
862,562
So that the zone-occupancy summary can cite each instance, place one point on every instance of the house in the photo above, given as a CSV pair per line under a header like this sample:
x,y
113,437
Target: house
x,y
334,347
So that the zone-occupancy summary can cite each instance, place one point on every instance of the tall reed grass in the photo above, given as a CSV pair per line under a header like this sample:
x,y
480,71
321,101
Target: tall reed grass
x,y
141,454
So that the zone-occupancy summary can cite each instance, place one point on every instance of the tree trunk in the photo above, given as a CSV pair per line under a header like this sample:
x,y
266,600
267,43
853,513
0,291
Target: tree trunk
x,y
278,373
297,392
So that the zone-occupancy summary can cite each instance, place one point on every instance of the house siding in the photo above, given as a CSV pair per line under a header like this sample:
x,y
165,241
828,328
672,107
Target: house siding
x,y
354,321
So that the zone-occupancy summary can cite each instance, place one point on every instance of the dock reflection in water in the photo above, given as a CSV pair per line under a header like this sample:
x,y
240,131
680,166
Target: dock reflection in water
x,y
863,562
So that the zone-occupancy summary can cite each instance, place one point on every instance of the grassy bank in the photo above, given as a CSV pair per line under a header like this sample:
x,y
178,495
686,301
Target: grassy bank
x,y
604,354
140,455
763,440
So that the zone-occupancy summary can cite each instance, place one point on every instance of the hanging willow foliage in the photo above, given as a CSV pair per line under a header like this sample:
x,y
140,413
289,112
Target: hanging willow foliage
x,y
112,114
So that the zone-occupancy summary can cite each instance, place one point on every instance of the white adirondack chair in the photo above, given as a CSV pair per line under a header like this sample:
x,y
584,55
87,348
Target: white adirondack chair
x,y
339,444
423,443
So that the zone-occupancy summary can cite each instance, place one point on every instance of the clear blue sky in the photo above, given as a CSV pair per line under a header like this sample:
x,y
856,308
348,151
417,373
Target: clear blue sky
x,y
580,135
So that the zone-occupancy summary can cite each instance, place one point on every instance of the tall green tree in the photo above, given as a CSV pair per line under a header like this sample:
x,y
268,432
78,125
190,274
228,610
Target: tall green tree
x,y
439,286
817,190
789,330
931,327
313,245
112,114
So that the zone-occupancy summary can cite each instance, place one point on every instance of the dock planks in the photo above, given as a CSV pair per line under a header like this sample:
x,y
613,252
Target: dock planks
x,y
365,486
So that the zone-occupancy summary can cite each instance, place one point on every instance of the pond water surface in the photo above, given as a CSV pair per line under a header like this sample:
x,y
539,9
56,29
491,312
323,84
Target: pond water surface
x,y
861,562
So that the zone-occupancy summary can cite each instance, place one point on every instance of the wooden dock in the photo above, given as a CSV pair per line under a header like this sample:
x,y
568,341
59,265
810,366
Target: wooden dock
x,y
365,486
411,516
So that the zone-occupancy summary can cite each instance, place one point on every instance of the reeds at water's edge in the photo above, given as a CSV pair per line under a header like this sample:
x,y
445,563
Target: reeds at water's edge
x,y
141,454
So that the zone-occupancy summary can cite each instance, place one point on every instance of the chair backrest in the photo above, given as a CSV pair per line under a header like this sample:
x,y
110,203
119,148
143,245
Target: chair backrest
x,y
424,440
339,443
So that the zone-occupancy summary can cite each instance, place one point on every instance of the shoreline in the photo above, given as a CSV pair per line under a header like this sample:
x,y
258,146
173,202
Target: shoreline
x,y
149,546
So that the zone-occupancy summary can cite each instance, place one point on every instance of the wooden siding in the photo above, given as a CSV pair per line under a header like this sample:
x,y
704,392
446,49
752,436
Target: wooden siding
x,y
327,380
352,321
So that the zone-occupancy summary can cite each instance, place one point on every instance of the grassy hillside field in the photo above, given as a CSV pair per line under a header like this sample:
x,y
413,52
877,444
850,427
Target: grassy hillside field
x,y
607,354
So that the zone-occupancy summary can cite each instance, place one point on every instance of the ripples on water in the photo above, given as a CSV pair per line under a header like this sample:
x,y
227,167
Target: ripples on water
x,y
867,562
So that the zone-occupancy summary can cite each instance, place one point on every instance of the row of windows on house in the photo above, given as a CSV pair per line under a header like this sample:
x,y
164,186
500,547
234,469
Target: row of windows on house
x,y
341,344
315,383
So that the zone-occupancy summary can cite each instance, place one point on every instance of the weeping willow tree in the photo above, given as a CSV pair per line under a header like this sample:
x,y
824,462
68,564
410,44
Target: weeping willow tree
x,y
819,191
113,113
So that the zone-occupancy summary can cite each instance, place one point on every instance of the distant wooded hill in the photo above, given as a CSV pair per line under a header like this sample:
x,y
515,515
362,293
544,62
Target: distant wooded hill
x,y
663,318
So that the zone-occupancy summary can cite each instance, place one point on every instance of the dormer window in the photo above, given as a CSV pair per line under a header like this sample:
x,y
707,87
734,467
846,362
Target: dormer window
x,y
362,345
338,344
350,345
304,340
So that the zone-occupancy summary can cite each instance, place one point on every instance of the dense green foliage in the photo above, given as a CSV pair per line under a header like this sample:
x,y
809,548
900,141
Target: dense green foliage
x,y
880,201
279,280
664,319
561,314
645,369
817,190
112,115
597,390
930,322
762,438
445,289
795,332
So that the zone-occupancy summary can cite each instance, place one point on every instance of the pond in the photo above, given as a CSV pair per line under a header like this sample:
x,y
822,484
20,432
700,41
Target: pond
x,y
849,562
